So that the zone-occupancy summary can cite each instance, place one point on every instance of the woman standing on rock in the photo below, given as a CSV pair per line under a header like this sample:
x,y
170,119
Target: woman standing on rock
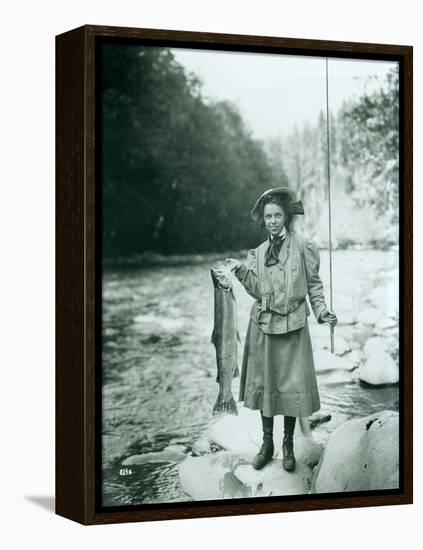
x,y
278,375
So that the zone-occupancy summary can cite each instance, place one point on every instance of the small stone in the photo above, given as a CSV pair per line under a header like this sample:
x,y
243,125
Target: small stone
x,y
337,378
347,318
153,339
176,447
162,456
324,361
355,356
201,447
341,346
317,418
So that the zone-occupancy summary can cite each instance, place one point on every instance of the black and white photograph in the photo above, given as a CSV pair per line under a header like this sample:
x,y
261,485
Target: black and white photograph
x,y
250,275
210,274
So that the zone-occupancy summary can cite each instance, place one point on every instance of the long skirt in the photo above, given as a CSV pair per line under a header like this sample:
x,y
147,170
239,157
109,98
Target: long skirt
x,y
278,375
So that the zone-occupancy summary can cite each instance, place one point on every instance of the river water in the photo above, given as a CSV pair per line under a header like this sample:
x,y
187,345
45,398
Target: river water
x,y
158,365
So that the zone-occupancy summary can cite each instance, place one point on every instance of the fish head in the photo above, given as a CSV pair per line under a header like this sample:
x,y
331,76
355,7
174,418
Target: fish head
x,y
217,277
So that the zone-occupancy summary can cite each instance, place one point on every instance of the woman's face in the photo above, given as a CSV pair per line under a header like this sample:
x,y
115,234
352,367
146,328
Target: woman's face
x,y
274,218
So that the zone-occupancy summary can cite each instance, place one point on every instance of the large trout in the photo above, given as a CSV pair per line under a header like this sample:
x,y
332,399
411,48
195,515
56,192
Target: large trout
x,y
225,337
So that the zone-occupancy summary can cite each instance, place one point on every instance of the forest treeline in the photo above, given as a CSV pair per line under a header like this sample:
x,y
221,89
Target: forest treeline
x,y
180,172
364,168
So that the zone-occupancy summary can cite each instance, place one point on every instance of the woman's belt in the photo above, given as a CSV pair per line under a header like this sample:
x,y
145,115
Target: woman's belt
x,y
286,309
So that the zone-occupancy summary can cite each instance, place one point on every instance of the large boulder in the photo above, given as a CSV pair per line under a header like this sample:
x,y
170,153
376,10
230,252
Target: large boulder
x,y
321,434
243,434
273,480
240,433
361,455
374,344
212,476
379,369
225,475
386,341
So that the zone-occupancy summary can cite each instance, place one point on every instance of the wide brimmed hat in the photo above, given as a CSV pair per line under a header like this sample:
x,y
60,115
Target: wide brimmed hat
x,y
287,195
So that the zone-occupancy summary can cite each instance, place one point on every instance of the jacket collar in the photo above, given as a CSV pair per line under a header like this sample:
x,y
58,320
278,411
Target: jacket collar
x,y
283,254
281,234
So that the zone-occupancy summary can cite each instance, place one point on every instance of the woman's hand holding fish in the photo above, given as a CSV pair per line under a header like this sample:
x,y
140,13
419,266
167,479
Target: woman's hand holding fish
x,y
223,276
232,263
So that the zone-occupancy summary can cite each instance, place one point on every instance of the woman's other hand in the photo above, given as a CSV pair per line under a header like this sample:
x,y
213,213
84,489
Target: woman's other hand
x,y
232,263
328,316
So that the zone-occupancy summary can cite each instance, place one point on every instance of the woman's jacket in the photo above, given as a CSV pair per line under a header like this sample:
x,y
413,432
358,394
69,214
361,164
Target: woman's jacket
x,y
280,290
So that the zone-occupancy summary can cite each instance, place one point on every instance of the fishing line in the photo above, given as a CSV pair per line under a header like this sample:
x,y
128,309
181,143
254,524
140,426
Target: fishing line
x,y
332,328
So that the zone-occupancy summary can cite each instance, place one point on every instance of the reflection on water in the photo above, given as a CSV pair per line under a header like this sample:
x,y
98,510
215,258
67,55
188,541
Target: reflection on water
x,y
159,366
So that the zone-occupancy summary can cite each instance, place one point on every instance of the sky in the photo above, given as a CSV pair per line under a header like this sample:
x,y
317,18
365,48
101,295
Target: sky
x,y
276,92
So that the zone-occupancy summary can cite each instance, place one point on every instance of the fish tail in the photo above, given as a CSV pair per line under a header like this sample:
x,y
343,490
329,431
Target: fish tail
x,y
236,372
238,337
225,407
212,339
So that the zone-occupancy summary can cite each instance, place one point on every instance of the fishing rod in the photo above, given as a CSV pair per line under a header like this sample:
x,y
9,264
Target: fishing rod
x,y
332,328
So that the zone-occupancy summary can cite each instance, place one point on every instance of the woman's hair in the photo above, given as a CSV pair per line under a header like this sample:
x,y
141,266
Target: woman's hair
x,y
284,204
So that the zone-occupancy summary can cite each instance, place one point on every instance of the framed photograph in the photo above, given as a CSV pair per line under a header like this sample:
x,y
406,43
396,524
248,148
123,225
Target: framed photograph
x,y
234,274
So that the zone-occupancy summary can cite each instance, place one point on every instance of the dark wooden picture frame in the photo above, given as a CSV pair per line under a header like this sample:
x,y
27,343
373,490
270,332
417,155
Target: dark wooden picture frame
x,y
78,299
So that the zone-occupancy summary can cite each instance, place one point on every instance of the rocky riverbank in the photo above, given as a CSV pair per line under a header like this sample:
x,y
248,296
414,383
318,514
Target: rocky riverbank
x,y
350,453
159,371
361,454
